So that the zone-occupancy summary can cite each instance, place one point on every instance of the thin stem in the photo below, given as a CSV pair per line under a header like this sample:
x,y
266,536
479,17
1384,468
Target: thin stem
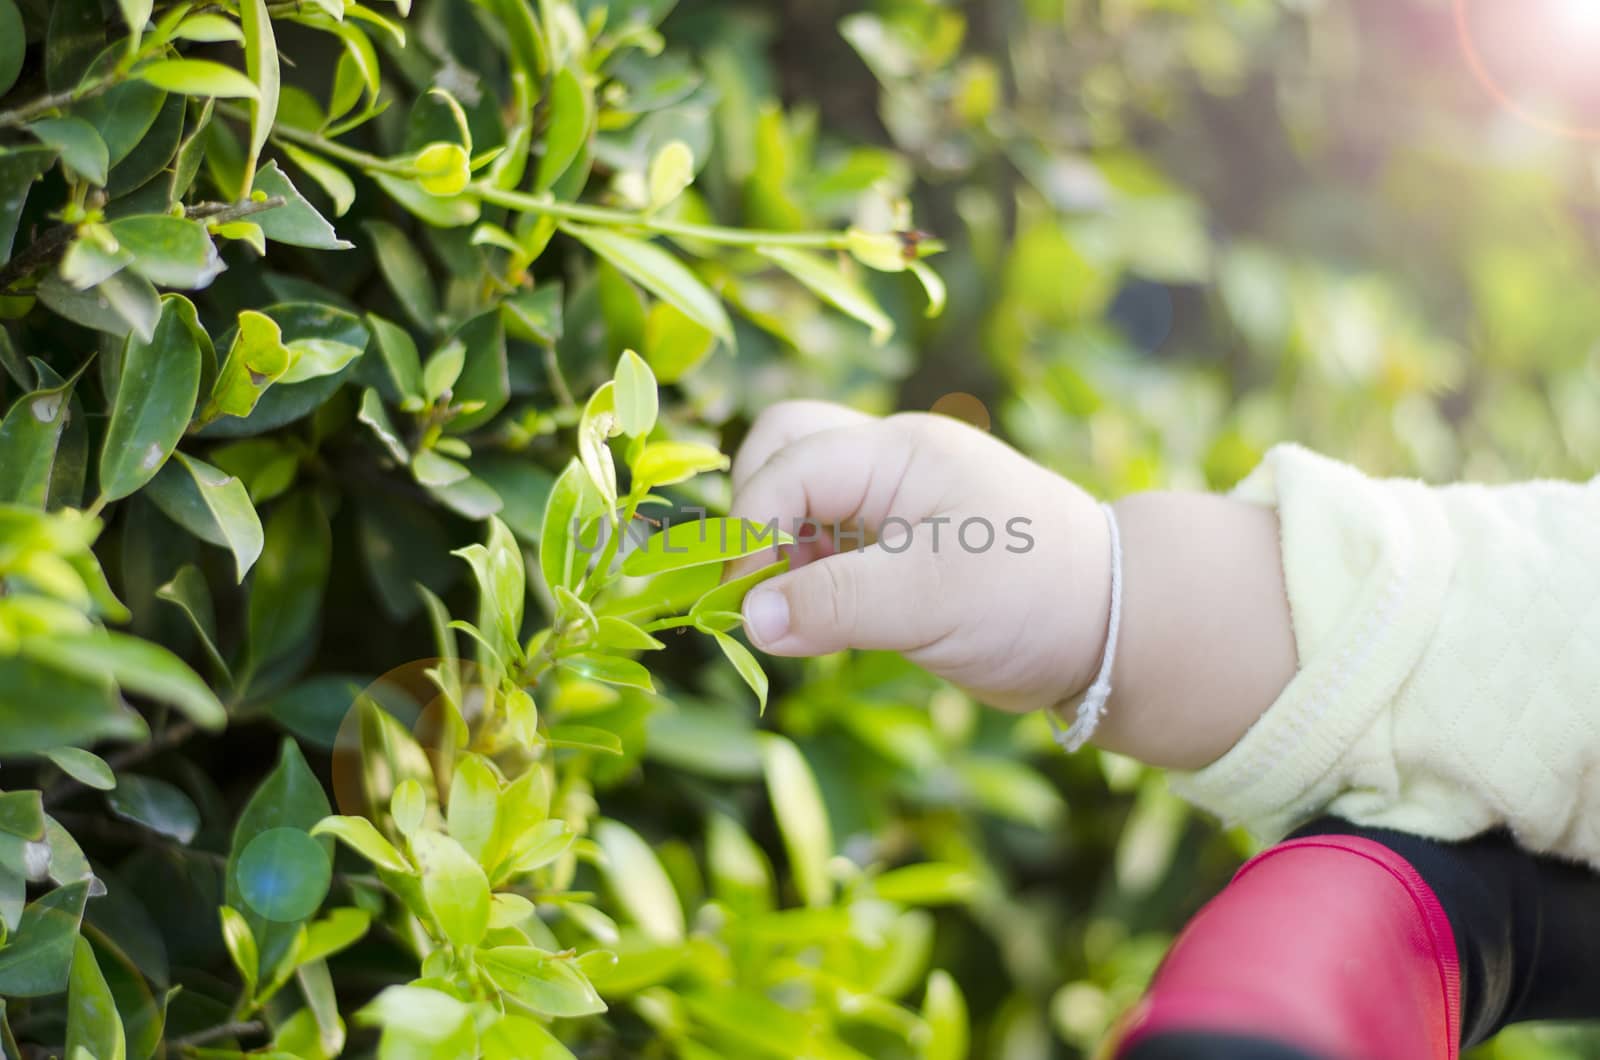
x,y
222,1030
544,205
37,108
675,622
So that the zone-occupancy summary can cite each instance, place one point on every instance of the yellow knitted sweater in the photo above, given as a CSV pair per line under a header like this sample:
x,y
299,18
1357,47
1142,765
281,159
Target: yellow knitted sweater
x,y
1449,644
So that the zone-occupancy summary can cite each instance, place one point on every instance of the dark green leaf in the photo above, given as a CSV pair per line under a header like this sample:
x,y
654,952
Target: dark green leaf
x,y
156,805
407,274
484,379
30,436
155,398
13,45
285,403
22,814
83,766
188,590
78,144
121,305
35,963
19,168
286,590
170,251
83,707
296,222
212,506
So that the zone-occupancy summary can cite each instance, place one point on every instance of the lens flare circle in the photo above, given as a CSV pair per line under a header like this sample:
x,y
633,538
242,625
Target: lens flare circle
x,y
1581,18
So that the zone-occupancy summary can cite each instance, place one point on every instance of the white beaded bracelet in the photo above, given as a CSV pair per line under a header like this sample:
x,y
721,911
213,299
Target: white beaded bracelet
x,y
1093,705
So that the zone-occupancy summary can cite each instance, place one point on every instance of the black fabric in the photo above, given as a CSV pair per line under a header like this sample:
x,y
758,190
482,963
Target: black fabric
x,y
1211,1045
1527,928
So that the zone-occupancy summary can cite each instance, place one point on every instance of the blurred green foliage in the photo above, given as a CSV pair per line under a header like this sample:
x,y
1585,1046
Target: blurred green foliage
x,y
443,791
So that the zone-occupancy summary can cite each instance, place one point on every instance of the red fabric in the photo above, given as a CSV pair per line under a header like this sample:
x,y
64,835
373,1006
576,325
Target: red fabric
x,y
1330,943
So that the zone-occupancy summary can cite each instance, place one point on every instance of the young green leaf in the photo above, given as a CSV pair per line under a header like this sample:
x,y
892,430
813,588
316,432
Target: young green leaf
x,y
802,818
729,596
474,803
571,115
549,985
199,77
599,423
612,669
408,806
256,359
454,886
573,501
360,835
443,169
945,1012
829,282
671,171
637,402
37,960
329,177
746,665
585,738
669,463
314,358
241,944
659,273
702,541
402,365
639,883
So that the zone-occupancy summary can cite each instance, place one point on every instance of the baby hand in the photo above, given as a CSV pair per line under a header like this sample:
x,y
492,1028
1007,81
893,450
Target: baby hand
x,y
923,535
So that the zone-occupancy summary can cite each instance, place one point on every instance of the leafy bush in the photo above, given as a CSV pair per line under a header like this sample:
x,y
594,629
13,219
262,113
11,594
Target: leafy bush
x,y
420,249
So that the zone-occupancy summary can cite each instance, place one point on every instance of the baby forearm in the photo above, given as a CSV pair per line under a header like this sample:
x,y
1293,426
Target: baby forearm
x,y
1206,643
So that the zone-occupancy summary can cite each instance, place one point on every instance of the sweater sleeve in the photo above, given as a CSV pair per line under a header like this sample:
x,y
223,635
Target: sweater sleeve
x,y
1449,661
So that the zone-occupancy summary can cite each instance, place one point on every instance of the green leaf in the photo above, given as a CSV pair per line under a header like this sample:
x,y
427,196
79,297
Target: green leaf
x,y
169,251
93,1026
22,814
485,379
30,440
296,222
339,930
669,463
598,423
746,664
241,944
545,984
927,883
375,416
514,1037
283,875
199,77
120,305
659,273
406,273
455,211
638,881
585,738
454,886
571,115
261,61
209,29
85,767
474,802
802,818
729,596
136,13
442,370
36,961
290,797
78,144
188,591
156,805
329,177
137,666
256,359
612,669
13,48
674,344
156,394
421,1024
443,169
572,501
407,806
19,166
945,1011
618,634
360,835
83,707
285,403
402,365
212,506
702,541
671,172
637,402
829,282
286,591
315,358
